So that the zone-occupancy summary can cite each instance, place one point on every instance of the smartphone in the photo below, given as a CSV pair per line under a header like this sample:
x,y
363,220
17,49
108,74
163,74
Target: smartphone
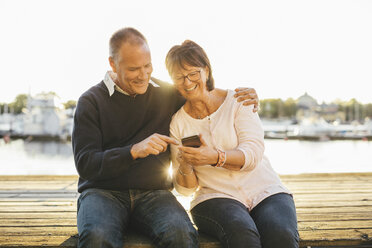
x,y
192,141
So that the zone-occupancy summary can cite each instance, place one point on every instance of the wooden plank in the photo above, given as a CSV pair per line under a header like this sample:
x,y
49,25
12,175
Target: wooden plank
x,y
299,202
309,203
38,187
331,191
38,222
340,238
38,209
27,185
38,241
39,178
332,209
310,217
44,203
47,227
352,237
36,230
334,225
39,191
325,197
325,188
304,182
49,182
59,206
302,225
38,195
38,182
133,241
320,204
38,215
328,210
30,199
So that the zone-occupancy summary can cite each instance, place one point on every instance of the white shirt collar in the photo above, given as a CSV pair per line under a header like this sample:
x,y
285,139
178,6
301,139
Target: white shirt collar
x,y
109,83
111,86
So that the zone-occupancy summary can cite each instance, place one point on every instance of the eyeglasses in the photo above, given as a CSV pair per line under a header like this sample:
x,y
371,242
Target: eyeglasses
x,y
192,76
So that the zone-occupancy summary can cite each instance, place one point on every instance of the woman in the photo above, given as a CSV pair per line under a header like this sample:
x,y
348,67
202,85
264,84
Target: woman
x,y
238,199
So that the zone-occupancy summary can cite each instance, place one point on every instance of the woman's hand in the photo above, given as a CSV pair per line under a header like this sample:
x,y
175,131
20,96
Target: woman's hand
x,y
198,156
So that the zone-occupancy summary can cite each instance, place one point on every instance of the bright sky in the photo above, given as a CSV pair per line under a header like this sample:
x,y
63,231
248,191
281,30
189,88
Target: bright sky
x,y
281,48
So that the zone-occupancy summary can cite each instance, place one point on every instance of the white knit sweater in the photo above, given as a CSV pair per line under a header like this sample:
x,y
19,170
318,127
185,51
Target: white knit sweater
x,y
232,126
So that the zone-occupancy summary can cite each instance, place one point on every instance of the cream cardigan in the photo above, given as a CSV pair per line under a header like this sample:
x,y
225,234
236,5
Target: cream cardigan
x,y
231,126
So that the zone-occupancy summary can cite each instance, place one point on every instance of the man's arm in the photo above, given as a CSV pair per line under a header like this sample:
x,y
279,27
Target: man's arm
x,y
91,160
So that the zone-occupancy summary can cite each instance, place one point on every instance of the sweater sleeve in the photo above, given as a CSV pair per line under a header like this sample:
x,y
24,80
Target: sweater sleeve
x,y
174,133
250,135
91,161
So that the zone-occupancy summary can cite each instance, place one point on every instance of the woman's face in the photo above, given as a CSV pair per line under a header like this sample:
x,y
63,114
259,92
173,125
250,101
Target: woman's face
x,y
191,81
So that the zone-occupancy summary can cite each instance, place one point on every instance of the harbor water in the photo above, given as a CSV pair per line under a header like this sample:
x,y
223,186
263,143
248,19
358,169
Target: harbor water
x,y
20,157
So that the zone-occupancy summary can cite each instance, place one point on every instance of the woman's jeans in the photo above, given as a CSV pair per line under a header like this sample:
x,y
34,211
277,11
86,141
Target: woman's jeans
x,y
271,224
104,216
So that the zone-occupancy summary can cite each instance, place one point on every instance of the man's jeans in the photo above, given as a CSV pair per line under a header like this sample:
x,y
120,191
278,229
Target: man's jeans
x,y
104,216
271,224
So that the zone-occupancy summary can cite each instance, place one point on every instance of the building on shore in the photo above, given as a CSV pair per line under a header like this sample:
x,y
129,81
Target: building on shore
x,y
43,117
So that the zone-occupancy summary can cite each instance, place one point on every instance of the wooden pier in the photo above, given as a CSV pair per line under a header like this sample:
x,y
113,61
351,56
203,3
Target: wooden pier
x,y
334,210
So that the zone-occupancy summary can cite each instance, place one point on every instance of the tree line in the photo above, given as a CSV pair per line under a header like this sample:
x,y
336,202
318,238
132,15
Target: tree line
x,y
20,102
269,108
349,110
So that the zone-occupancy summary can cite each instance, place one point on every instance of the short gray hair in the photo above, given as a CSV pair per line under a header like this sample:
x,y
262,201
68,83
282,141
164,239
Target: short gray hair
x,y
131,35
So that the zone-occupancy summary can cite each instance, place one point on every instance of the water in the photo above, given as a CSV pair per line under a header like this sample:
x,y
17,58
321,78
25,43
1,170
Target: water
x,y
295,156
287,157
20,157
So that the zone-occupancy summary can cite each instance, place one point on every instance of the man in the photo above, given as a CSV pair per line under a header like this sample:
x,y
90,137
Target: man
x,y
120,140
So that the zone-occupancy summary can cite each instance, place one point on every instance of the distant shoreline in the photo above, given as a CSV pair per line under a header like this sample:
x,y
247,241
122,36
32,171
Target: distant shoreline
x,y
37,137
267,136
318,138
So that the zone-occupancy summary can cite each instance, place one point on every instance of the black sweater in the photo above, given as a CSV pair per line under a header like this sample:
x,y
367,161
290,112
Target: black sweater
x,y
106,127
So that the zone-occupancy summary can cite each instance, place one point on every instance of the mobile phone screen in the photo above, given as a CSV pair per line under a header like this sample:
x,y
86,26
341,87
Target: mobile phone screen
x,y
192,141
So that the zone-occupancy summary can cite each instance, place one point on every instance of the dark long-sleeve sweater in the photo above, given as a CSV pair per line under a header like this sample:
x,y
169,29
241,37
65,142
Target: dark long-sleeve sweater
x,y
106,127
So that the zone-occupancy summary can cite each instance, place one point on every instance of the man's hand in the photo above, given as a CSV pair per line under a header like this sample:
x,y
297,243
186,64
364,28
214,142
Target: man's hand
x,y
153,144
248,95
198,156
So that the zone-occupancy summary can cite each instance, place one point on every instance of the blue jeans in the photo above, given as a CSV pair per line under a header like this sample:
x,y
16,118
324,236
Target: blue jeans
x,y
271,224
104,216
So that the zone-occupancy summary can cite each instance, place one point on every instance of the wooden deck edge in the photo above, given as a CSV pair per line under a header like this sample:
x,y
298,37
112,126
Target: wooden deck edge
x,y
75,177
139,241
349,211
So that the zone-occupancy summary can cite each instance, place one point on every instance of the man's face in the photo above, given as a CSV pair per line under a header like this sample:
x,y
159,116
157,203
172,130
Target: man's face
x,y
133,68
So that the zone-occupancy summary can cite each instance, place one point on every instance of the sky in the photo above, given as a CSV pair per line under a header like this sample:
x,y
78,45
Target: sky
x,y
281,48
